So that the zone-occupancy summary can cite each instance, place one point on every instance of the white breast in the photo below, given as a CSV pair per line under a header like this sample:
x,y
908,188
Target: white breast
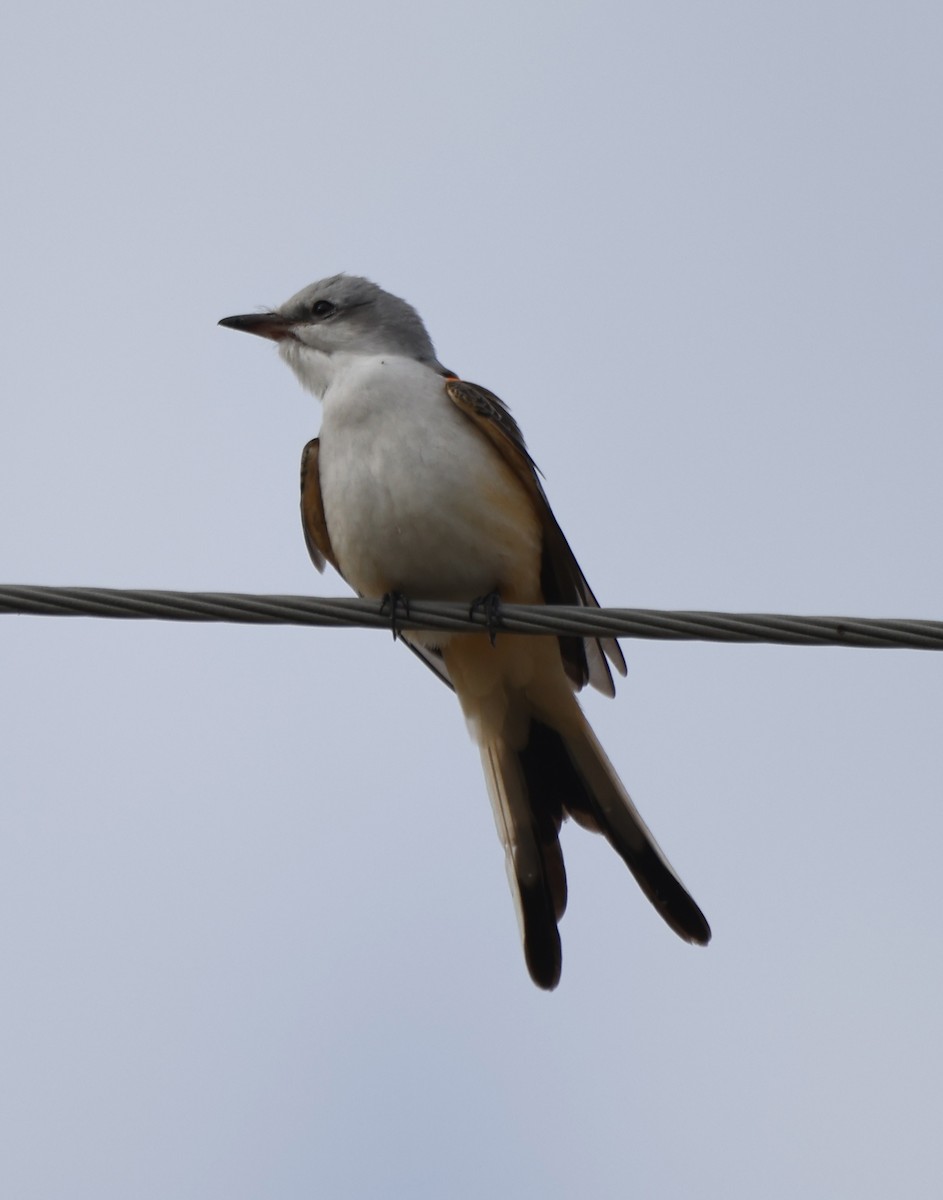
x,y
416,499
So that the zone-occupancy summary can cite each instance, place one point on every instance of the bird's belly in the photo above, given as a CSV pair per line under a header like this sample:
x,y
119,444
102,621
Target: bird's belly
x,y
428,509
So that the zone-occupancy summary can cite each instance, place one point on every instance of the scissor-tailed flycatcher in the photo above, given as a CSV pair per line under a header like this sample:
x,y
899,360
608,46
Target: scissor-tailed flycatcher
x,y
420,486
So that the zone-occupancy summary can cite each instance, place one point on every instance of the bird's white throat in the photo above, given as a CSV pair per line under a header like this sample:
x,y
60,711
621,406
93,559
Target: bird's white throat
x,y
314,368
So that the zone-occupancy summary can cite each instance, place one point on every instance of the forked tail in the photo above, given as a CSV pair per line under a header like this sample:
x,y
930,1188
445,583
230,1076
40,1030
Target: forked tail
x,y
532,790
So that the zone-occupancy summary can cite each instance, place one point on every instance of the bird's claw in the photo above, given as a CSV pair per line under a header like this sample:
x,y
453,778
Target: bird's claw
x,y
490,607
397,605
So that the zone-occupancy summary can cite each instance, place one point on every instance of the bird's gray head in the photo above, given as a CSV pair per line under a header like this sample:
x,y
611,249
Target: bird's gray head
x,y
344,314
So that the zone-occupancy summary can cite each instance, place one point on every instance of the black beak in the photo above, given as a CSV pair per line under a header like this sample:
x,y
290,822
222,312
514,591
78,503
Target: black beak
x,y
271,325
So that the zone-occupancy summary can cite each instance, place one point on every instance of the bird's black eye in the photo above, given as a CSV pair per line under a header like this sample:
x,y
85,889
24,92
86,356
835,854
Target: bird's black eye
x,y
323,308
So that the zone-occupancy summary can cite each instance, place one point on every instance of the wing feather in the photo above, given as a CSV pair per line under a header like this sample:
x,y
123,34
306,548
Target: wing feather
x,y
313,522
562,581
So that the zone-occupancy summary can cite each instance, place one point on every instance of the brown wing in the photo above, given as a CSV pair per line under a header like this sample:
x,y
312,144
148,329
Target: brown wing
x,y
312,510
561,579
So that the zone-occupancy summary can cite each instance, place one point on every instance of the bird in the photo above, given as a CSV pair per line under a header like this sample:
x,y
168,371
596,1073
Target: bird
x,y
420,487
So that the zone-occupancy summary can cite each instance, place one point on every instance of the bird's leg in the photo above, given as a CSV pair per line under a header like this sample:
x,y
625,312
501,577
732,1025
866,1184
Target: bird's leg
x,y
490,606
395,603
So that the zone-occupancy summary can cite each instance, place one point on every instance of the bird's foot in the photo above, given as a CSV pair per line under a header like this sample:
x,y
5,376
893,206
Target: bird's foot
x,y
490,606
398,606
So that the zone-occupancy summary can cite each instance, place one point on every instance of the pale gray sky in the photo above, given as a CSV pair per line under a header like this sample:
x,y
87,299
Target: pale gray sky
x,y
255,934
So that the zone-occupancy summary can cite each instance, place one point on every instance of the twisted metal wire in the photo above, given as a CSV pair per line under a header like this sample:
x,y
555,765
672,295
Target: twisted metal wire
x,y
242,608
